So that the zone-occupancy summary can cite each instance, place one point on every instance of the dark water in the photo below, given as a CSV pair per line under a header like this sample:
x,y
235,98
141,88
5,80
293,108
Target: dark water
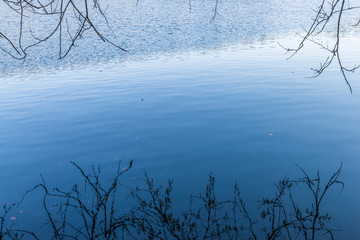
x,y
241,111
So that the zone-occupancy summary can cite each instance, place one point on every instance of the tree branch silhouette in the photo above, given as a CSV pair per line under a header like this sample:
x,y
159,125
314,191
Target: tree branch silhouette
x,y
69,13
327,12
91,210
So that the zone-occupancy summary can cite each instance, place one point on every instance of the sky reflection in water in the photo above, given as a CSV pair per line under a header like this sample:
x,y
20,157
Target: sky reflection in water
x,y
243,112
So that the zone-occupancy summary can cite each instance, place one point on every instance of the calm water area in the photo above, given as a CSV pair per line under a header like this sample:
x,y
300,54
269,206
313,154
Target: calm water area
x,y
191,97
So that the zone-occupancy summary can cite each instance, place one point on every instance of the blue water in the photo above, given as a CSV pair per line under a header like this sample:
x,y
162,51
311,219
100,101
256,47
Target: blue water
x,y
239,110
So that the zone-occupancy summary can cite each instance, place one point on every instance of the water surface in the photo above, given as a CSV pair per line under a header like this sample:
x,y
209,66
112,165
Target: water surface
x,y
183,109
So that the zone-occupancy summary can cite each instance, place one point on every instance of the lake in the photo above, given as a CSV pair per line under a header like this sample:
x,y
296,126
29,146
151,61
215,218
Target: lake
x,y
191,97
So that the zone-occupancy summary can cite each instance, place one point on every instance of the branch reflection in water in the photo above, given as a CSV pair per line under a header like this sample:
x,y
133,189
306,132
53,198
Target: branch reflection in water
x,y
92,210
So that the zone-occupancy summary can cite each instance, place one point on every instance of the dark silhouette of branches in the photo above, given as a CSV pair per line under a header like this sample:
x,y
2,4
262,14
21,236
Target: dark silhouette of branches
x,y
328,18
91,210
69,13
290,221
87,212
70,19
281,217
205,218
8,230
67,21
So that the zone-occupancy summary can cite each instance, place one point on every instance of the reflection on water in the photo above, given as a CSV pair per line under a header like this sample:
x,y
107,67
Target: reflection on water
x,y
245,115
92,210
150,27
210,97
